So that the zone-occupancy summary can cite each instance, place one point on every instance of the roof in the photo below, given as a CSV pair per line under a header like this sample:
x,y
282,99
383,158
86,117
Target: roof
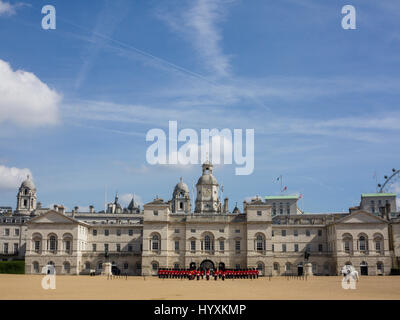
x,y
366,195
281,197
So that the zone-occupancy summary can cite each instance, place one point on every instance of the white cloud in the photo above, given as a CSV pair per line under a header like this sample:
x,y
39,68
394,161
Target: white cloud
x,y
25,99
199,26
11,178
9,9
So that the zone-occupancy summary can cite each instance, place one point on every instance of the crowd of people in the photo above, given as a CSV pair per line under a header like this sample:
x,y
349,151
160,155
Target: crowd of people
x,y
192,274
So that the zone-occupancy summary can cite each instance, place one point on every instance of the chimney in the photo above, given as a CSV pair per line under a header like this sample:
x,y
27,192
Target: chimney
x,y
226,207
388,211
76,209
91,209
61,209
56,207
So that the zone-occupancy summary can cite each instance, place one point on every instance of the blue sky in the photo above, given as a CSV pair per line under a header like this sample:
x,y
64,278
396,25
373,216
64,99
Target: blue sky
x,y
323,101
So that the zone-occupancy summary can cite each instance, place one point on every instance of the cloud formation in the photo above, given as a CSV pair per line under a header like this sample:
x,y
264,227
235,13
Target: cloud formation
x,y
199,25
9,9
11,178
25,100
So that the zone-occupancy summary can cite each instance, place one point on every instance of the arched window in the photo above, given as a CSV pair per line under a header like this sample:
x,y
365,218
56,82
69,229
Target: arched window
x,y
378,240
260,267
37,243
207,243
379,267
52,244
154,266
276,266
288,266
347,243
100,266
87,265
155,242
260,243
67,241
363,243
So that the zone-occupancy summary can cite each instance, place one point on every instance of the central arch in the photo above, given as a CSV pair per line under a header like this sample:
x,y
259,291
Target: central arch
x,y
207,265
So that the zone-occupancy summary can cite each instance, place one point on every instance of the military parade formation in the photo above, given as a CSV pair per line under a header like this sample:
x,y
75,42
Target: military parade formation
x,y
207,274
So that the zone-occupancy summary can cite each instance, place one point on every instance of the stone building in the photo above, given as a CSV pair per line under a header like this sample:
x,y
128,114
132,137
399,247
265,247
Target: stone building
x,y
270,234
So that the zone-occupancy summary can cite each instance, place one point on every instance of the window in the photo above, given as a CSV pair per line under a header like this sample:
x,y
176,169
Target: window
x,y
7,232
222,245
126,266
296,248
67,267
67,246
94,247
154,266
94,232
276,266
283,233
237,231
274,209
237,246
273,232
37,246
260,243
106,247
347,246
320,247
176,246
288,266
319,233
273,248
5,248
130,248
259,213
176,265
307,233
363,243
221,230
118,232
106,232
177,230
118,247
130,232
52,244
155,243
16,232
283,247
192,230
193,245
308,247
207,243
237,266
378,246
155,212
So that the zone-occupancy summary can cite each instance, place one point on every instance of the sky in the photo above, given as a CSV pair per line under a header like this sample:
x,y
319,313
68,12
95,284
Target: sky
x,y
77,102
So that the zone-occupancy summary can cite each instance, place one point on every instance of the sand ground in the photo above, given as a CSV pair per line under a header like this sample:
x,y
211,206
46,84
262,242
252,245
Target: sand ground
x,y
140,288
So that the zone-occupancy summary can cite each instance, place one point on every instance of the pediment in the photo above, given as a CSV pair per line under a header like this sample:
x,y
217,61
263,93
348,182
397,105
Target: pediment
x,y
53,217
361,217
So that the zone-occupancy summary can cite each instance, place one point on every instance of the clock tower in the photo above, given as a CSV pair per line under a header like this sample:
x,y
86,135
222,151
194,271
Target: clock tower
x,y
207,200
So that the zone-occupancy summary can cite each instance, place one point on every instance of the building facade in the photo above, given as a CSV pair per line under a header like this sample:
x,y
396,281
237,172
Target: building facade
x,y
269,234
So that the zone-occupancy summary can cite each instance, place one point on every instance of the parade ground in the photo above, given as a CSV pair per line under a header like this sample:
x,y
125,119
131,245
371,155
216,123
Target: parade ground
x,y
148,288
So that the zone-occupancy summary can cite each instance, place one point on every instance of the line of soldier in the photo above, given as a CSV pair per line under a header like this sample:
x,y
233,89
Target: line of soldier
x,y
191,274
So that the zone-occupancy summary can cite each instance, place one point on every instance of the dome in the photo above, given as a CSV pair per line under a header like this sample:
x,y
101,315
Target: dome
x,y
207,179
181,186
28,183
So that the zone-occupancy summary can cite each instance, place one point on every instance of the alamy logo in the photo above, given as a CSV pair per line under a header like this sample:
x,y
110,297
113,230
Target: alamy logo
x,y
350,276
49,280
214,142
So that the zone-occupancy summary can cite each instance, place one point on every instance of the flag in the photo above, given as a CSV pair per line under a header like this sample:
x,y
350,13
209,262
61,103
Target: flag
x,y
277,179
284,189
300,196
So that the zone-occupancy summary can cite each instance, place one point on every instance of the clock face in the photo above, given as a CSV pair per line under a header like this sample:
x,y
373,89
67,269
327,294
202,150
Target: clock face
x,y
207,192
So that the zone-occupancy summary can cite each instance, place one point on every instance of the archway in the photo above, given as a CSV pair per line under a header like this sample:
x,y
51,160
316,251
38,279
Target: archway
x,y
221,266
207,265
364,268
300,269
